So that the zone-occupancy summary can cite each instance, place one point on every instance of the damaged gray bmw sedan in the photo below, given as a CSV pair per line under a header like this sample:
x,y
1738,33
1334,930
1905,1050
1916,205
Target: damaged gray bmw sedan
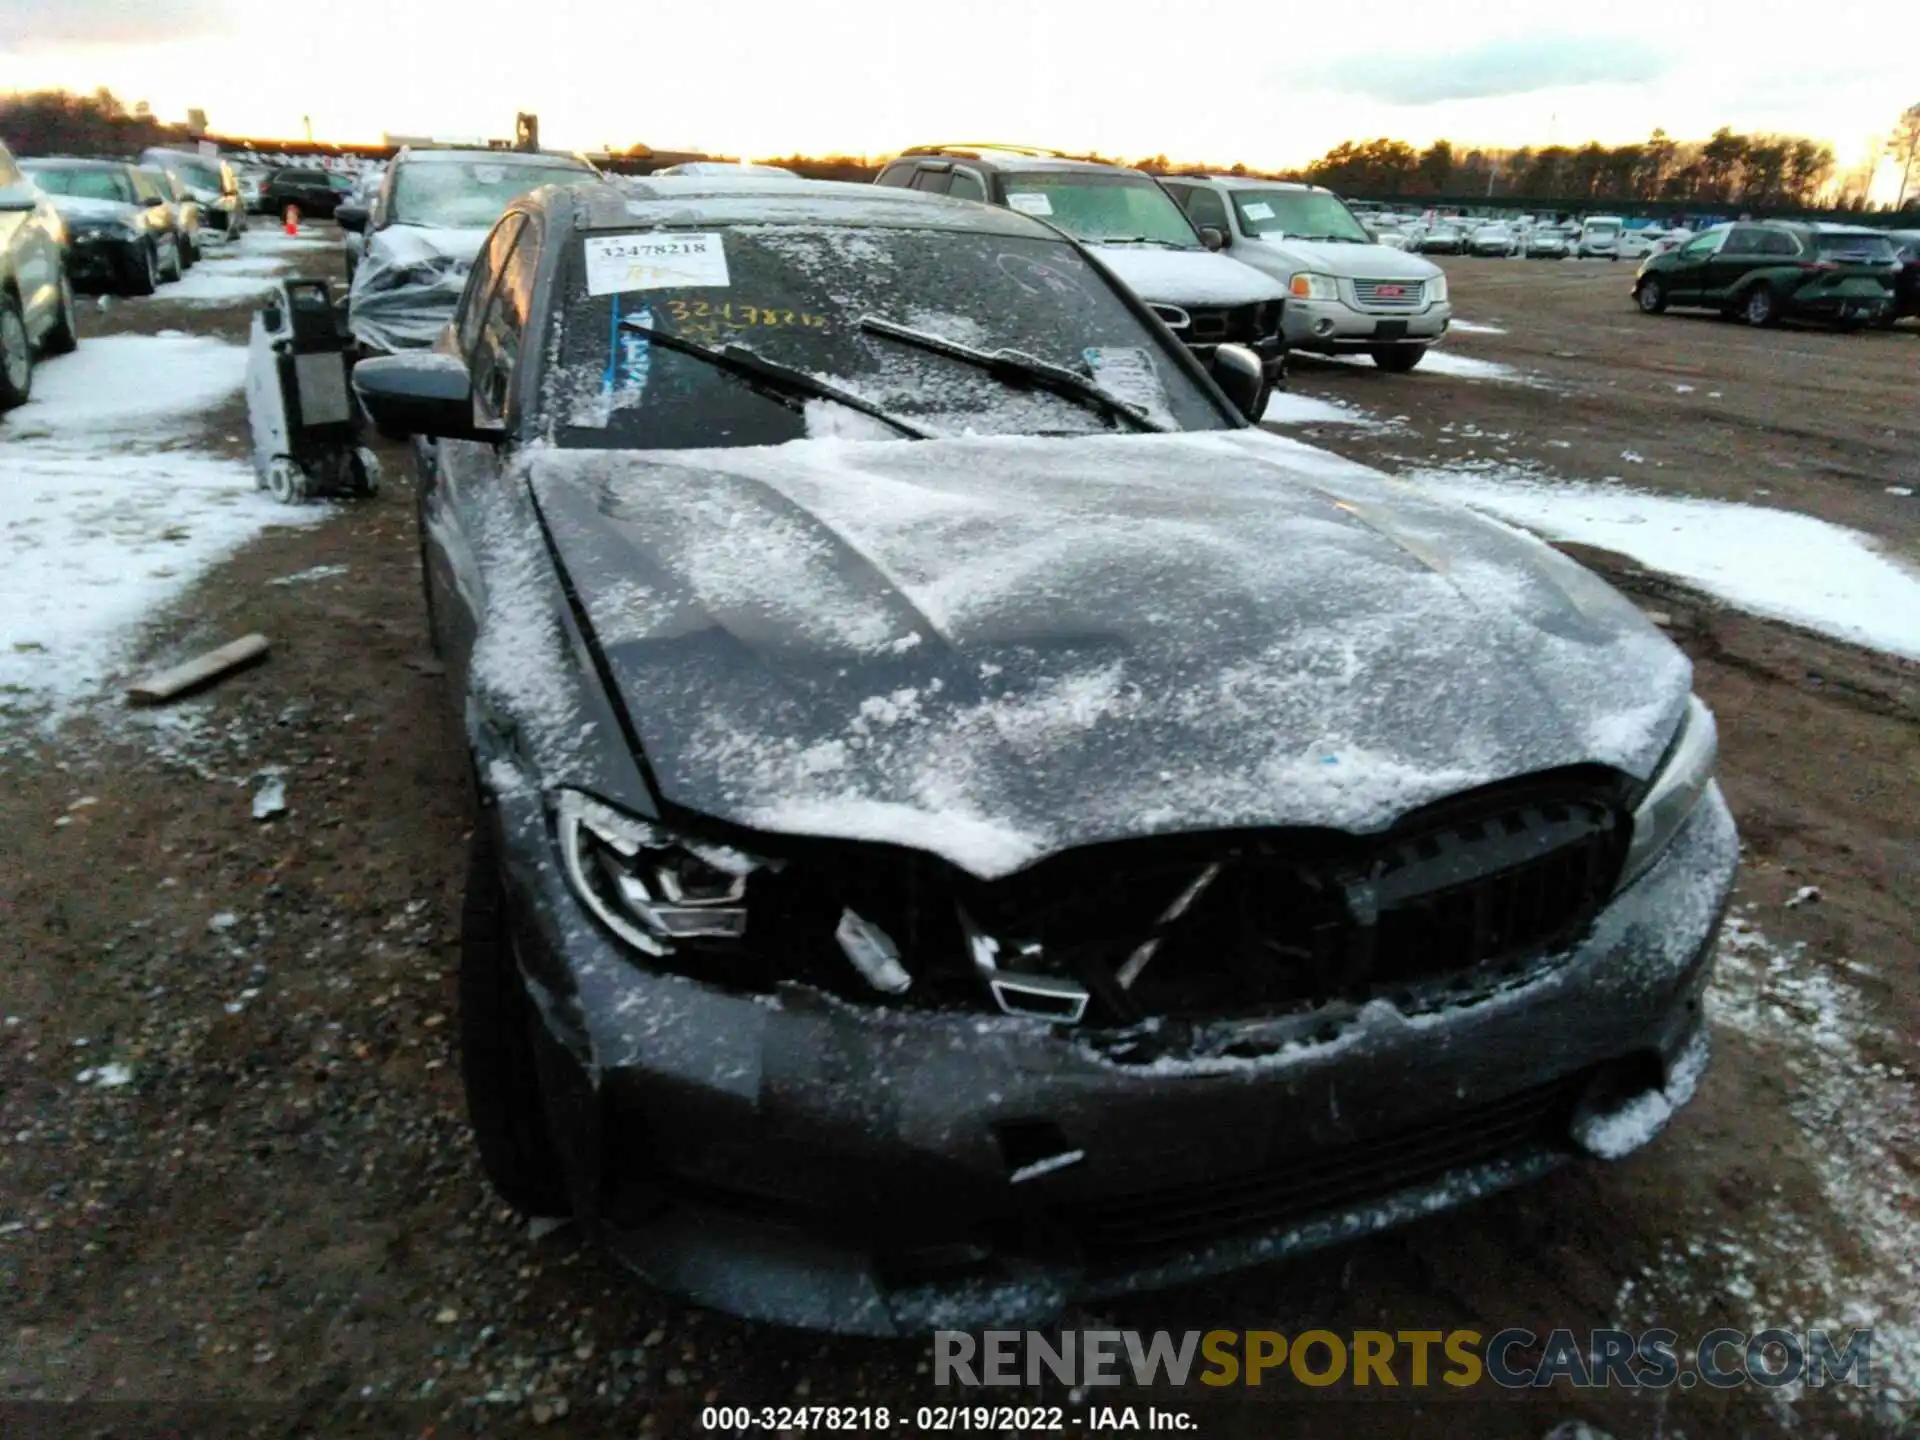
x,y
968,825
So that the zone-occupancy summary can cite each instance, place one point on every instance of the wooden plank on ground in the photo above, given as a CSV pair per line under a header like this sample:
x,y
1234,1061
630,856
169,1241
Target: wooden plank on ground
x,y
198,671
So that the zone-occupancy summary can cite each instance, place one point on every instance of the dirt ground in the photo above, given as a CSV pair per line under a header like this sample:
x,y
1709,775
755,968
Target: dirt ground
x,y
278,1225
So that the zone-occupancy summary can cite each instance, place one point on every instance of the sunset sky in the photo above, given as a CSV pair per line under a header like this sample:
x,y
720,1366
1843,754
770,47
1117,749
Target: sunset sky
x,y
1273,84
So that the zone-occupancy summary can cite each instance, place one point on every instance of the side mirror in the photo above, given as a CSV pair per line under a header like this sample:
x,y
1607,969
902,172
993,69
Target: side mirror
x,y
351,217
1238,372
18,197
154,201
425,393
1213,238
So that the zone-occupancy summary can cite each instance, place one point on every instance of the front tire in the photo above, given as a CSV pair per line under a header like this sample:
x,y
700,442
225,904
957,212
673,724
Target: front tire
x,y
173,269
16,355
1397,359
142,272
498,1065
1651,295
64,337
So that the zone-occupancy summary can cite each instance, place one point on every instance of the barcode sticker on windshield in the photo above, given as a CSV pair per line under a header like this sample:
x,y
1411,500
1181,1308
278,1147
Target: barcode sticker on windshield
x,y
665,260
1030,202
1127,373
1257,210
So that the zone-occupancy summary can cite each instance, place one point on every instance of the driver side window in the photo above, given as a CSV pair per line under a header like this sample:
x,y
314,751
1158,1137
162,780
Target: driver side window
x,y
482,281
515,255
1204,207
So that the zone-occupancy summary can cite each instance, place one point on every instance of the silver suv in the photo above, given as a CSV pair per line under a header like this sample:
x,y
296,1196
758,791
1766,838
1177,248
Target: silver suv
x,y
1346,293
1124,218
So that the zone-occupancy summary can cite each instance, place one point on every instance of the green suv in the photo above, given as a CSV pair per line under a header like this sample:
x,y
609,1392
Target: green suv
x,y
1765,271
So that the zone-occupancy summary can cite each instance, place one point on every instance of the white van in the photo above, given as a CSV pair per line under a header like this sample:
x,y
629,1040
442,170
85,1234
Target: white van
x,y
1600,236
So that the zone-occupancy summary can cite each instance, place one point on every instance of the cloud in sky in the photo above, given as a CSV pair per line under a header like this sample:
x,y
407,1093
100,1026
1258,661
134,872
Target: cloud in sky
x,y
27,25
1510,65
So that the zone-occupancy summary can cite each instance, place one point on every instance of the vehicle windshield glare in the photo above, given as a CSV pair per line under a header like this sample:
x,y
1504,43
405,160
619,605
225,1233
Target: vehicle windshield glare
x,y
82,184
467,194
1862,249
202,177
1299,214
1099,206
796,296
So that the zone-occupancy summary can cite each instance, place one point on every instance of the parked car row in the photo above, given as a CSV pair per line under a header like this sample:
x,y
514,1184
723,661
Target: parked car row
x,y
1220,259
1208,890
124,230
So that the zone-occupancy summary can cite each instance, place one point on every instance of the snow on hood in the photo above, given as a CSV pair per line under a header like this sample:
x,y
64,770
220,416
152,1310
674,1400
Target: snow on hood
x,y
85,207
992,649
407,283
1187,277
1360,262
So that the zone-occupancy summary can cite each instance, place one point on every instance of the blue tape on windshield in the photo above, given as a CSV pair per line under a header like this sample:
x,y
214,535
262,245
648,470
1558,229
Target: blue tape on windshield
x,y
629,355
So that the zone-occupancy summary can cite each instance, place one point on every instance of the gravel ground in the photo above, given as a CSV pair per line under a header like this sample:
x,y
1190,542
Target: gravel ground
x,y
237,1195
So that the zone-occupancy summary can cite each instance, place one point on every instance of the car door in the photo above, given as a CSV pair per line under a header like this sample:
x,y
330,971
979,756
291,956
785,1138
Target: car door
x,y
463,469
31,233
1685,277
160,217
1739,255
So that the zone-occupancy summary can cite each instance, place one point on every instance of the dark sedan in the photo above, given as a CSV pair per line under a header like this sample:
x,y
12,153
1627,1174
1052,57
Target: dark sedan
x,y
120,228
1767,271
312,191
970,825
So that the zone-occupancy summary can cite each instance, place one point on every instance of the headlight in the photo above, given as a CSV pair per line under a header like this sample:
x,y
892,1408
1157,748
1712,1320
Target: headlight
x,y
1682,779
1307,286
1437,289
644,884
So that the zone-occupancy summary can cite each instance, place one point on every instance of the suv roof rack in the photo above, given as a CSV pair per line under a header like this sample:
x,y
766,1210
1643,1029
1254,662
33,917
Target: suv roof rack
x,y
964,147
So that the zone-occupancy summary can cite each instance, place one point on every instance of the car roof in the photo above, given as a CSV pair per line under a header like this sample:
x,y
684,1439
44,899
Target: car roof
x,y
539,158
1013,158
69,162
677,200
1249,182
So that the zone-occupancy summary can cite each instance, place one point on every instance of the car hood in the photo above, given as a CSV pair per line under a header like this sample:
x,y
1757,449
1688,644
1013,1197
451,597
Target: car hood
x,y
996,649
1187,277
1354,262
84,208
404,245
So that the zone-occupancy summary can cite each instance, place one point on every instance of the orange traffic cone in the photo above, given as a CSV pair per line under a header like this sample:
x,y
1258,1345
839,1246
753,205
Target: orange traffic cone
x,y
292,218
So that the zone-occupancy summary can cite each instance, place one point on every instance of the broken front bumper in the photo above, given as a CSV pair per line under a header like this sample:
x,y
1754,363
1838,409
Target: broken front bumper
x,y
799,1159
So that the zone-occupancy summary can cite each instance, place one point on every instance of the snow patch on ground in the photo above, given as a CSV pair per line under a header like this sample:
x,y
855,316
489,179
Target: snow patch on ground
x,y
1772,562
1859,1120
1287,408
126,387
1468,327
100,527
1465,367
216,283
1439,361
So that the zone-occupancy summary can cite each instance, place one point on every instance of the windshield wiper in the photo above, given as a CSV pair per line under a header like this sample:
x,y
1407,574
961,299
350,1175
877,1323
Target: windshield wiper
x,y
1016,367
775,381
1142,240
